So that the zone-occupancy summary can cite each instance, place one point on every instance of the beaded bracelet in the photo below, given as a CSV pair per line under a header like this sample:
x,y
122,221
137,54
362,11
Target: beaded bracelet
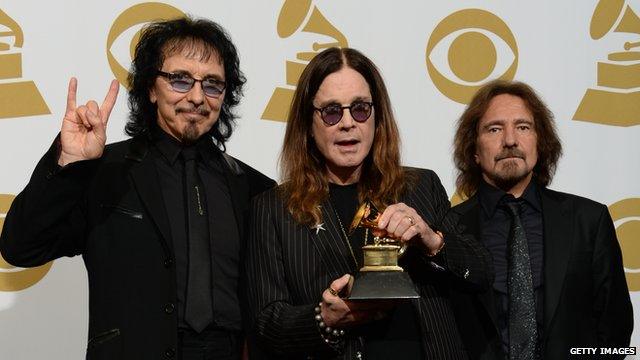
x,y
330,335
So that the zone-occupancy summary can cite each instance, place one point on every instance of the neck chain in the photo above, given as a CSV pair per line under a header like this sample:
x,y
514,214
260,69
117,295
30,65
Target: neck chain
x,y
346,237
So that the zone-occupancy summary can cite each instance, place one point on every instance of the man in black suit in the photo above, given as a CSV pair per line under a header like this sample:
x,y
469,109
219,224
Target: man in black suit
x,y
160,218
559,281
341,147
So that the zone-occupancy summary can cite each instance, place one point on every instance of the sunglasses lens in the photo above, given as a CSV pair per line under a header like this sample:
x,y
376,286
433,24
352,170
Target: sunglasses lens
x,y
332,114
360,111
182,84
212,88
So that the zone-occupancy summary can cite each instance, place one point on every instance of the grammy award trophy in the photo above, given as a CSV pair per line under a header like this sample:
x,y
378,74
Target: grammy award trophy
x,y
380,276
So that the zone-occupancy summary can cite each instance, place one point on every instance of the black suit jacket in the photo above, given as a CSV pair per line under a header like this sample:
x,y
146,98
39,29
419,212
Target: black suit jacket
x,y
289,266
586,300
110,210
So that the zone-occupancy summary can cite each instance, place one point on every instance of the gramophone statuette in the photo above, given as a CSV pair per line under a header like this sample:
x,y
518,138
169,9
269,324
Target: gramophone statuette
x,y
380,276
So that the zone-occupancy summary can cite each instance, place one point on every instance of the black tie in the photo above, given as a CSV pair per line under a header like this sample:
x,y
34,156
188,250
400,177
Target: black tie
x,y
522,314
199,310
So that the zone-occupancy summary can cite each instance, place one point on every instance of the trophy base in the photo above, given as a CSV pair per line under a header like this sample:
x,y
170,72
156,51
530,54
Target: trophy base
x,y
382,285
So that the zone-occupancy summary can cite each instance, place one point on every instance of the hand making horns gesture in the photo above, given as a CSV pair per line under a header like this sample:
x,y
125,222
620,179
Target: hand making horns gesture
x,y
83,134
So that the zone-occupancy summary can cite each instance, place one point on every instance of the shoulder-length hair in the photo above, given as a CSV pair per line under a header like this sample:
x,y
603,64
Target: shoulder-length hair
x,y
196,37
303,167
465,140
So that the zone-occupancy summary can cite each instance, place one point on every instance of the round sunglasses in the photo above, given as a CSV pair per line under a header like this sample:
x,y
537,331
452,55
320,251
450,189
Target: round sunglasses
x,y
183,83
332,114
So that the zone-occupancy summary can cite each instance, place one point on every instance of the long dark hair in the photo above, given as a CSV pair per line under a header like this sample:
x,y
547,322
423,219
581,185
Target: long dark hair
x,y
303,167
465,140
199,37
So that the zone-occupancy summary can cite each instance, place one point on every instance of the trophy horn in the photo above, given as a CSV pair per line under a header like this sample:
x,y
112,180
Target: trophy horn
x,y
366,216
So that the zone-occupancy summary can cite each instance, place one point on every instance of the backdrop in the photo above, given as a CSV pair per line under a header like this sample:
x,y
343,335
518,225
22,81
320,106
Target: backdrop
x,y
582,56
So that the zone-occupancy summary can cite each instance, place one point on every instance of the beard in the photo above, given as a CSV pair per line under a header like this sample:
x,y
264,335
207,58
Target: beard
x,y
509,174
190,133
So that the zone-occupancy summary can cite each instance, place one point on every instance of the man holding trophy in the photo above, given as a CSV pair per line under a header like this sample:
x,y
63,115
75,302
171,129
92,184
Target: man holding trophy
x,y
341,158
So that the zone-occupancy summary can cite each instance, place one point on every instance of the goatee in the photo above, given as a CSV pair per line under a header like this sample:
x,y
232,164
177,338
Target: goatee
x,y
190,134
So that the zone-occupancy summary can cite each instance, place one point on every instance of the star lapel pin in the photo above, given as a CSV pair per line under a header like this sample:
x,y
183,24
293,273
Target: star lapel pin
x,y
318,227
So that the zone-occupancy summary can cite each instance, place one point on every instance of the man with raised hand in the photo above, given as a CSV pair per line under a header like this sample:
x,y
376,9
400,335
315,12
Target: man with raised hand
x,y
160,219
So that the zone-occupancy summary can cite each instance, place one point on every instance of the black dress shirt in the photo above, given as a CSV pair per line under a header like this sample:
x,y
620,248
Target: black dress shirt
x,y
223,230
496,224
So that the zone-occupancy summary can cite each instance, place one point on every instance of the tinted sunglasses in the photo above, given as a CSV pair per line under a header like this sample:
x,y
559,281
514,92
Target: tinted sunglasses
x,y
183,83
332,114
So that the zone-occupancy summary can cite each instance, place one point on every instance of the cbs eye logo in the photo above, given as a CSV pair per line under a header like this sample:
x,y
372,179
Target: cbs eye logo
x,y
11,277
139,14
626,216
477,48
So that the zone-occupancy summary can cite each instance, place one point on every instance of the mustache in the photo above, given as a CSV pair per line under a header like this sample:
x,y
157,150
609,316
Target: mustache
x,y
508,153
200,110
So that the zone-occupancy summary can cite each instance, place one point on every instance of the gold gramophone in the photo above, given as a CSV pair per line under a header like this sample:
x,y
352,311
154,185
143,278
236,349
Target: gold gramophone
x,y
17,98
617,100
303,15
380,276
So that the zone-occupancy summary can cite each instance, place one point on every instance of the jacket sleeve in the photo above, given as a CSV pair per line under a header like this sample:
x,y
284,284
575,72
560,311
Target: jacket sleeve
x,y
612,305
46,220
280,327
462,256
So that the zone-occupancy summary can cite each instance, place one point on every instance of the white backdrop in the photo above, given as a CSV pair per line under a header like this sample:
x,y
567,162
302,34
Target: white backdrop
x,y
558,46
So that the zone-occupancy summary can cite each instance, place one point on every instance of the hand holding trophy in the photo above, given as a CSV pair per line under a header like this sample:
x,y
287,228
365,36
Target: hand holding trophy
x,y
380,277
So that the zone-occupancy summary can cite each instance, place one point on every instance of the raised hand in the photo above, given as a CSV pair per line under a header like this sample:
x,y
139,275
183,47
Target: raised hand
x,y
83,134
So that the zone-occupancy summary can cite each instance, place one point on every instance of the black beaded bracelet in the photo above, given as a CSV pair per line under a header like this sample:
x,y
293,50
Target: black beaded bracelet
x,y
330,335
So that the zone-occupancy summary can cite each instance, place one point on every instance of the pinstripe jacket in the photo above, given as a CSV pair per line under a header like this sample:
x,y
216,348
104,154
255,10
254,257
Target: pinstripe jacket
x,y
289,266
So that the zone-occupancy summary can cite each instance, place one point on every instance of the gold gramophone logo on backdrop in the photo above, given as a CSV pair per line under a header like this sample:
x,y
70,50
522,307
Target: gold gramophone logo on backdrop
x,y
626,216
617,102
135,15
11,277
472,55
296,14
17,97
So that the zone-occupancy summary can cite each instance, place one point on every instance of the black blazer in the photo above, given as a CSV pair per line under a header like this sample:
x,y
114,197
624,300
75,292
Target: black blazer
x,y
289,266
110,210
586,300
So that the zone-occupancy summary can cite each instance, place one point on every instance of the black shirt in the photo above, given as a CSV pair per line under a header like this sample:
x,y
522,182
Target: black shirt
x,y
397,335
223,231
496,224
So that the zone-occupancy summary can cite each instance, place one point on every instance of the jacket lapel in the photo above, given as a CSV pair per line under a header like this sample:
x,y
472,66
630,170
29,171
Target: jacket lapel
x,y
145,179
558,236
469,217
328,238
238,191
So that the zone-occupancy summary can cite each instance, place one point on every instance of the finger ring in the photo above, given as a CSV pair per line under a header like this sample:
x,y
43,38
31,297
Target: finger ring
x,y
411,220
332,292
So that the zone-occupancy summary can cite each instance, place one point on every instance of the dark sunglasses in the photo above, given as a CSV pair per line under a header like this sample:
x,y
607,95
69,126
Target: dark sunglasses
x,y
332,114
183,83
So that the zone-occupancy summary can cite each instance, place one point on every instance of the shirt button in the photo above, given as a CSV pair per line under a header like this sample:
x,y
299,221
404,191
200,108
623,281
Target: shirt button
x,y
169,308
170,352
168,263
